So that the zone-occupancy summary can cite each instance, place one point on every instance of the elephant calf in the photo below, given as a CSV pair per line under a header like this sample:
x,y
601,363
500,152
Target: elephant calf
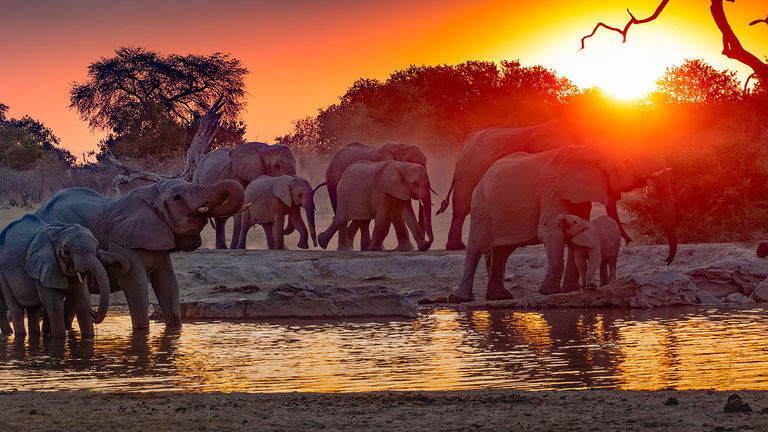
x,y
51,265
382,191
273,198
593,243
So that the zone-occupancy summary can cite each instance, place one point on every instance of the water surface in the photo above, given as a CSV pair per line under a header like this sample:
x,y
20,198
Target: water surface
x,y
683,348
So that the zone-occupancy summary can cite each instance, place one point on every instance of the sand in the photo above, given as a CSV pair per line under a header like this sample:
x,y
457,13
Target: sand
x,y
391,411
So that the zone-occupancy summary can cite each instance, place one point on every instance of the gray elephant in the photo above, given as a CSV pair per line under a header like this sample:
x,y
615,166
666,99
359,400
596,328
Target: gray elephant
x,y
274,198
382,191
52,265
355,152
594,244
145,226
481,149
518,200
243,163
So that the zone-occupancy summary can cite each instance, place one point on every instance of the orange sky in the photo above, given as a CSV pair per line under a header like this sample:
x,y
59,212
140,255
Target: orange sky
x,y
303,54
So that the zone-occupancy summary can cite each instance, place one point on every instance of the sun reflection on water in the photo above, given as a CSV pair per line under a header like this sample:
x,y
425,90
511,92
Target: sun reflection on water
x,y
441,350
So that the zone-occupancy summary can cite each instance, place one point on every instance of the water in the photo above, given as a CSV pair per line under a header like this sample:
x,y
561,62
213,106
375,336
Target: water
x,y
688,348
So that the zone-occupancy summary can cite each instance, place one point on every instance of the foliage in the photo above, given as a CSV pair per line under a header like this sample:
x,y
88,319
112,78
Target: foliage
x,y
152,103
697,83
26,140
434,106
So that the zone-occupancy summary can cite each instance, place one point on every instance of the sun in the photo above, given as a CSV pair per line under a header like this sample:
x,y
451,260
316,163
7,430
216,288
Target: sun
x,y
624,71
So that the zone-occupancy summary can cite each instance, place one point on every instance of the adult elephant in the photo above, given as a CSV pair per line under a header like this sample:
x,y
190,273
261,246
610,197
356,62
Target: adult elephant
x,y
481,149
145,226
243,163
355,152
518,201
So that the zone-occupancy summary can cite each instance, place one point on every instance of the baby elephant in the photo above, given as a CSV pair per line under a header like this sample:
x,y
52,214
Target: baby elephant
x,y
273,198
592,243
52,265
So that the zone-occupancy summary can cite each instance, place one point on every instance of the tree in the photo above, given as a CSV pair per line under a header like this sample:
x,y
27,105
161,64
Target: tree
x,y
151,102
697,83
731,46
26,140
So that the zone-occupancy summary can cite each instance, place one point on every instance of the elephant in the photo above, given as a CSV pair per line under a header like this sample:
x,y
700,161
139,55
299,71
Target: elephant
x,y
355,152
145,226
382,191
273,198
51,265
481,149
242,163
593,244
518,200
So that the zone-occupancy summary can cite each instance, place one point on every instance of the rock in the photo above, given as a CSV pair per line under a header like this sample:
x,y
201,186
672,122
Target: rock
x,y
760,294
738,298
736,404
671,401
705,297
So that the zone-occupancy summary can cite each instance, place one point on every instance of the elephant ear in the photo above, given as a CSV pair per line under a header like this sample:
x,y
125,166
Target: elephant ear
x,y
135,222
391,181
588,238
580,181
281,188
43,264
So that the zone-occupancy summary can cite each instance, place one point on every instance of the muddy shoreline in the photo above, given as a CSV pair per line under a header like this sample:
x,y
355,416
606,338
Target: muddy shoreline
x,y
392,411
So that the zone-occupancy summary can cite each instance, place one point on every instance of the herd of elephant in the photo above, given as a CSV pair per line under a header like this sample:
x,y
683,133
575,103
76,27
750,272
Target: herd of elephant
x,y
514,182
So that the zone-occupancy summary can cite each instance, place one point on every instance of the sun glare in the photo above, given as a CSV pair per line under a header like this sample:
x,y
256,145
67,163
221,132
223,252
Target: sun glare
x,y
624,71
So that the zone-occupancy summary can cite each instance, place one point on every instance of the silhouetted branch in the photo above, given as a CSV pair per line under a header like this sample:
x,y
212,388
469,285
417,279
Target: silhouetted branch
x,y
632,20
731,46
209,124
764,20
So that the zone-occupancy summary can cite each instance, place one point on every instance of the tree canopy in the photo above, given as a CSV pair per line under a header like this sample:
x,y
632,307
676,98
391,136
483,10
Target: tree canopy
x,y
152,103
695,82
23,141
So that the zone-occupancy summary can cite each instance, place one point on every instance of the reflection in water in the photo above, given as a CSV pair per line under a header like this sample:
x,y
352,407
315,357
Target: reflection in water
x,y
690,348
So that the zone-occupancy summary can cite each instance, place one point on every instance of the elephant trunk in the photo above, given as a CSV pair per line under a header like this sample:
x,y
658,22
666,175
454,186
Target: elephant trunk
x,y
97,272
223,198
309,209
425,216
664,191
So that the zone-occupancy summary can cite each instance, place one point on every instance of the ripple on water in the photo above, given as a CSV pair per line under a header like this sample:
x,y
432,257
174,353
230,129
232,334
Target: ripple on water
x,y
684,348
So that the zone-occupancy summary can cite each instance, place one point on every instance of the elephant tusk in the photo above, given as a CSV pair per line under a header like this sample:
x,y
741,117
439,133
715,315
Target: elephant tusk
x,y
80,277
202,209
434,191
245,207
659,173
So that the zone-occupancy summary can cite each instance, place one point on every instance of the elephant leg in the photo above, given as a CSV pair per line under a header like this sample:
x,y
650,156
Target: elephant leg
x,y
345,237
459,212
33,320
380,231
296,221
242,234
82,306
5,325
166,289
401,231
277,231
17,317
237,226
268,233
571,277
53,303
499,257
70,309
603,273
554,247
365,235
352,229
325,237
221,239
416,228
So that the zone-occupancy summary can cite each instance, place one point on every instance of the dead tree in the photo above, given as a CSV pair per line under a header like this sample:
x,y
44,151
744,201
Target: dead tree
x,y
731,46
209,124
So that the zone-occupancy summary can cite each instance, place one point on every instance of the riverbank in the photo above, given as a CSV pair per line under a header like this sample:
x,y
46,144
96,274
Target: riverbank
x,y
392,411
262,284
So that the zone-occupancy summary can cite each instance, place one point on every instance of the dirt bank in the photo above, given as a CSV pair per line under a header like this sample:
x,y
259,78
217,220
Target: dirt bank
x,y
396,411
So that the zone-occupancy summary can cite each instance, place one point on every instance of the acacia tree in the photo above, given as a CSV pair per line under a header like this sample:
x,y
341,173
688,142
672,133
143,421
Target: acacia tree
x,y
151,103
732,48
697,83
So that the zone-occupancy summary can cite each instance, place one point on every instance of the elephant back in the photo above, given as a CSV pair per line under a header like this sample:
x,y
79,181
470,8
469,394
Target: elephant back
x,y
214,166
76,205
259,192
345,157
16,237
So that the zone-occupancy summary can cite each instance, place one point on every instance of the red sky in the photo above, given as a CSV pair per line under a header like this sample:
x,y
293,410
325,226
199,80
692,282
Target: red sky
x,y
303,54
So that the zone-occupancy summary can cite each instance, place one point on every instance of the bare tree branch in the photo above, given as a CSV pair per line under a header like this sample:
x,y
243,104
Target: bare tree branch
x,y
632,20
764,20
209,124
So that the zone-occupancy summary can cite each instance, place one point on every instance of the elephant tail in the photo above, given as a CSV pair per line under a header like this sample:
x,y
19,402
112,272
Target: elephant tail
x,y
447,200
319,186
